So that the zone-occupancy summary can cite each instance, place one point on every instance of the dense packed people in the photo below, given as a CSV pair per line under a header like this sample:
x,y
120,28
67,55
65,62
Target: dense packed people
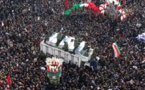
x,y
25,23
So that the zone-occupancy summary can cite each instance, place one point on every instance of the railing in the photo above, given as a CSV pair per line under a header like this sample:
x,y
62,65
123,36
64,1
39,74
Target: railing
x,y
76,59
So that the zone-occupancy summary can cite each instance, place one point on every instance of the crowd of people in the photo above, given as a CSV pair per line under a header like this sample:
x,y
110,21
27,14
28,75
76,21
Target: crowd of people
x,y
25,23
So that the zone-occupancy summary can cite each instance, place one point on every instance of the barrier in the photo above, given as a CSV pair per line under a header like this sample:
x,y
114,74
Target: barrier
x,y
76,59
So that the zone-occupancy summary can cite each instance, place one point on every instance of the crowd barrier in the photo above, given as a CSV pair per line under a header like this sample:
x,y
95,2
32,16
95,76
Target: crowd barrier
x,y
76,59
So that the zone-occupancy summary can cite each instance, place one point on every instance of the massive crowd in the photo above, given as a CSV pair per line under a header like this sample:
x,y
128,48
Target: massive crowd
x,y
25,23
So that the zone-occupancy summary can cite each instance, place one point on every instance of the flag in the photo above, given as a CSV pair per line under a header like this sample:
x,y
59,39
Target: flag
x,y
93,7
75,7
102,7
118,7
88,5
132,16
28,26
1,82
9,80
66,4
38,43
116,50
123,14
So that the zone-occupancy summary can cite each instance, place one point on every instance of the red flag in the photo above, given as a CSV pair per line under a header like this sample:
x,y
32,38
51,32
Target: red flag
x,y
29,26
1,82
38,43
118,7
93,7
66,4
9,80
123,35
132,16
